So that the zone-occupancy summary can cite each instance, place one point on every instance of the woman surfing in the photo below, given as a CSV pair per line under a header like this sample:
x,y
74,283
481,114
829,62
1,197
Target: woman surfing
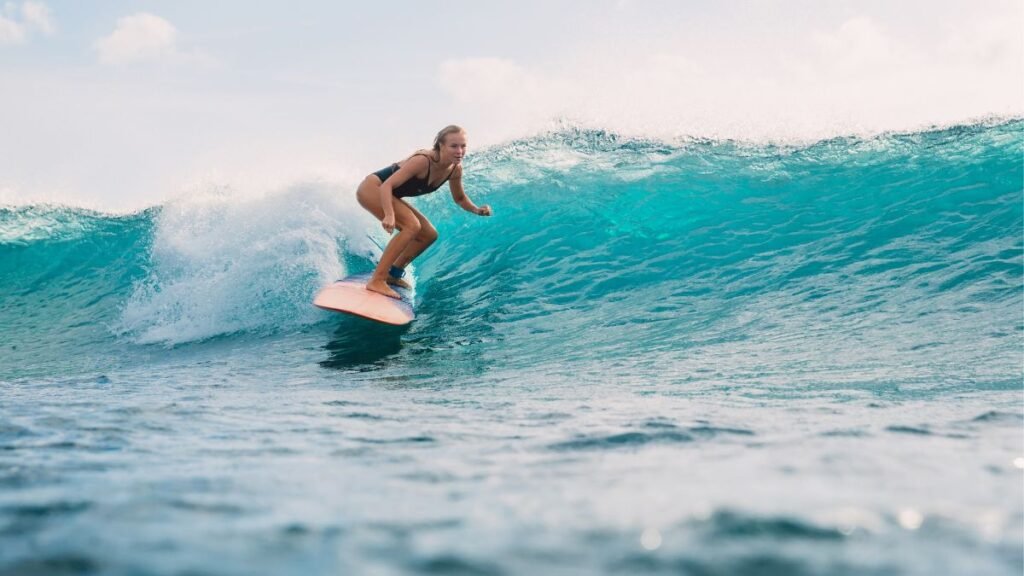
x,y
382,194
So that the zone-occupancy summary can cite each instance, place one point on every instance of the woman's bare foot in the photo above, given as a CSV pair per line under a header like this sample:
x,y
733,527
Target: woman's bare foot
x,y
381,287
400,282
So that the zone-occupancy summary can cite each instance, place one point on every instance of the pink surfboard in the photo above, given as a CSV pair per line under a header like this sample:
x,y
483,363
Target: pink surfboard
x,y
351,297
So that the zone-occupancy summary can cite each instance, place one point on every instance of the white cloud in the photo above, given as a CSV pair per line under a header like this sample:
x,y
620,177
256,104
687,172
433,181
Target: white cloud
x,y
138,38
857,76
857,43
17,25
11,32
487,79
146,37
37,16
514,94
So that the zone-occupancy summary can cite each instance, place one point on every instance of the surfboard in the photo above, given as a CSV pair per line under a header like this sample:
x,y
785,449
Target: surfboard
x,y
349,295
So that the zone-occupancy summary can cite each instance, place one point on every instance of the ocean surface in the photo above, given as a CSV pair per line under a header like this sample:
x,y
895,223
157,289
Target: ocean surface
x,y
691,357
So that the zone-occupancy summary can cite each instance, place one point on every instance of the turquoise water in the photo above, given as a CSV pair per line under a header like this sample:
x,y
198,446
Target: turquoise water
x,y
697,358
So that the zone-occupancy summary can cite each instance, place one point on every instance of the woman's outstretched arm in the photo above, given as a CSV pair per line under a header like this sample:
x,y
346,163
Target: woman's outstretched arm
x,y
459,195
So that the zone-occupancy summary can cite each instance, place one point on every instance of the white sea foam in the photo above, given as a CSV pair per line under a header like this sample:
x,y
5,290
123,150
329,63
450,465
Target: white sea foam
x,y
224,262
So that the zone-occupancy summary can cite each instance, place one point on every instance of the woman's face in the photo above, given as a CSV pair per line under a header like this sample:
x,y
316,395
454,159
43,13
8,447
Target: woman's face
x,y
454,147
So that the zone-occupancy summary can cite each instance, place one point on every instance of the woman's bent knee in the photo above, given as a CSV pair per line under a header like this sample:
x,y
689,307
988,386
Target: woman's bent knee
x,y
411,227
427,235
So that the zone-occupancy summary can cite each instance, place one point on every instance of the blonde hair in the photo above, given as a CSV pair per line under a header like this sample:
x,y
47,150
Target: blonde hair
x,y
443,135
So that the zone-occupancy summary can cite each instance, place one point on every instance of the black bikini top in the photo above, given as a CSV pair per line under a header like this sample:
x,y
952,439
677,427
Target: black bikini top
x,y
413,186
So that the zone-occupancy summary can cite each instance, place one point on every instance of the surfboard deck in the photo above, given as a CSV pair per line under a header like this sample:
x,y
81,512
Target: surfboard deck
x,y
349,295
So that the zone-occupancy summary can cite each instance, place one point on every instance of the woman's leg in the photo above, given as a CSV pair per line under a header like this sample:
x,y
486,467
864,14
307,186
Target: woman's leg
x,y
422,241
408,226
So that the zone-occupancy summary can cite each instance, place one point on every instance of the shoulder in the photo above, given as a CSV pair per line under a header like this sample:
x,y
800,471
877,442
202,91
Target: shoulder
x,y
457,172
417,160
425,154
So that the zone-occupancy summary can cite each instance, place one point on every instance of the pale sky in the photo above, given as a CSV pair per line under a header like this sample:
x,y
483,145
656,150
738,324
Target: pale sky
x,y
123,104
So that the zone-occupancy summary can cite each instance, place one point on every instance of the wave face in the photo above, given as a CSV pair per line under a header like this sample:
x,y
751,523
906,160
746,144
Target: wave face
x,y
63,275
893,258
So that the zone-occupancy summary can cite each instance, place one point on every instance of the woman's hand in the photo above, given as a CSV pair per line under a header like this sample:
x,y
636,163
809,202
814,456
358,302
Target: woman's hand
x,y
484,210
388,223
